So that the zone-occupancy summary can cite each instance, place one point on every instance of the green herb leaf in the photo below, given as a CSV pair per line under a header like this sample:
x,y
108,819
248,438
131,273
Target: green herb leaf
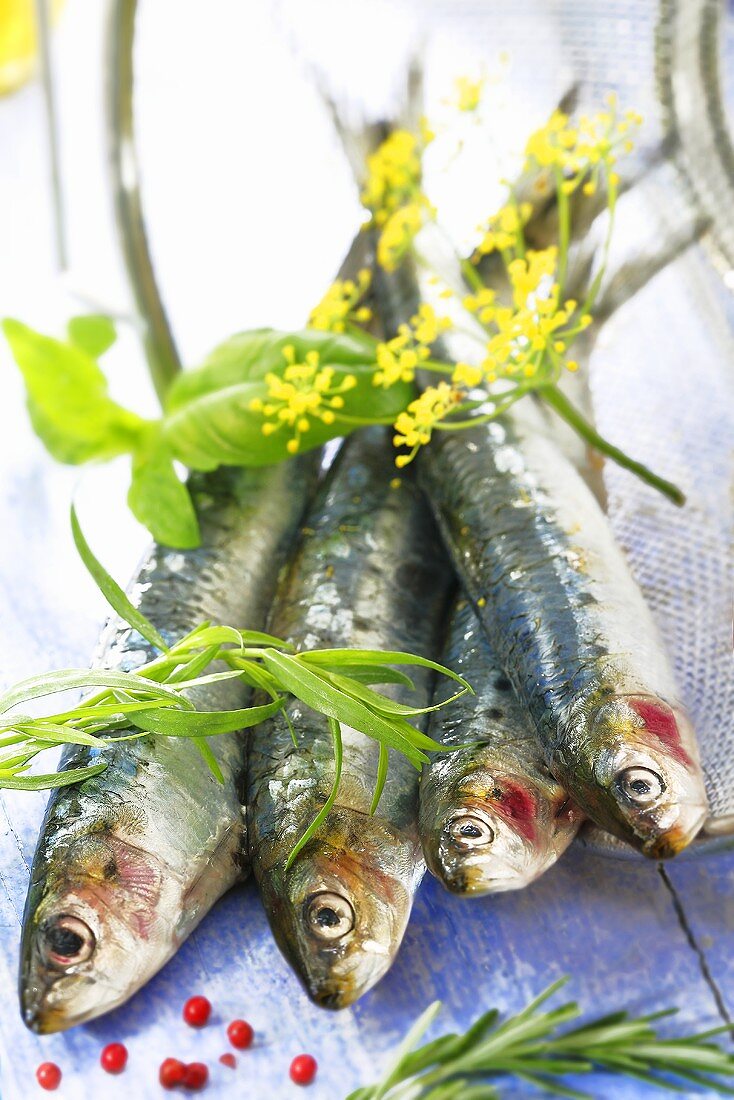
x,y
209,420
533,1047
347,657
111,590
159,499
93,333
326,808
211,760
47,782
249,356
70,408
202,723
316,692
36,687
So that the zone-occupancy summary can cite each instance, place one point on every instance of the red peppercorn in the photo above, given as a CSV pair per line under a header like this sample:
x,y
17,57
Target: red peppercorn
x,y
196,1076
113,1058
48,1076
303,1069
171,1073
240,1034
228,1060
196,1011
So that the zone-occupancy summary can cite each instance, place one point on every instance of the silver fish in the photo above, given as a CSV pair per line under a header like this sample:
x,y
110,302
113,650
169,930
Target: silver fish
x,y
370,573
129,861
564,616
492,817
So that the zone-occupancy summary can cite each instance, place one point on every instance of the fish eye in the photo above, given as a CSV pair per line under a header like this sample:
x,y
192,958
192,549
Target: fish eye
x,y
641,786
469,832
329,916
68,940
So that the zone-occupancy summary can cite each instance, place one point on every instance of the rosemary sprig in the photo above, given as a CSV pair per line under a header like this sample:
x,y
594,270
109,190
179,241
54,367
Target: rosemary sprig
x,y
538,1048
154,699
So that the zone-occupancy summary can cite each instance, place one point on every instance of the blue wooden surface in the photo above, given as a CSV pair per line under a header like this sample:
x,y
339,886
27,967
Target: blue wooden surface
x,y
611,925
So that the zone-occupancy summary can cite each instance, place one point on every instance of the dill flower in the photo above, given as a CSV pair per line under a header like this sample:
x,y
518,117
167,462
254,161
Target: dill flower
x,y
398,234
398,359
481,303
467,375
393,175
427,325
533,274
504,229
341,305
592,143
414,426
468,93
306,391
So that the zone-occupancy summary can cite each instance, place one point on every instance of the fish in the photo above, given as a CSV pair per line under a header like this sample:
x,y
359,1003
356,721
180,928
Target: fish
x,y
491,816
129,861
560,608
370,573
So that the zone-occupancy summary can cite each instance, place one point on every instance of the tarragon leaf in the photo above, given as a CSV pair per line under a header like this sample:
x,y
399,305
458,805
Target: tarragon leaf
x,y
111,590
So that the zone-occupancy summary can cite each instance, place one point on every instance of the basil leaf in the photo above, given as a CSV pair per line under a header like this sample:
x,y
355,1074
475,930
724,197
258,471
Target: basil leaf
x,y
209,421
111,590
93,333
69,406
249,356
160,500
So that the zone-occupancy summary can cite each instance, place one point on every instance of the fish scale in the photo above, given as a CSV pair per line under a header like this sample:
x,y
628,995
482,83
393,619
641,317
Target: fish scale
x,y
370,573
129,861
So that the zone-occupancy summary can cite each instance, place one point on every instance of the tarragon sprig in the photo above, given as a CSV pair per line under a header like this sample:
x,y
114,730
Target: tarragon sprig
x,y
538,1048
154,699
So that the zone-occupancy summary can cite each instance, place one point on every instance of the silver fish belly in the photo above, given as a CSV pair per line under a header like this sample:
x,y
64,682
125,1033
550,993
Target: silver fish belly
x,y
129,861
370,573
492,817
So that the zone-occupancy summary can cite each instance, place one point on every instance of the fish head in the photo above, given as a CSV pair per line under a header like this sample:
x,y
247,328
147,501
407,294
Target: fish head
x,y
645,763
92,933
344,905
487,832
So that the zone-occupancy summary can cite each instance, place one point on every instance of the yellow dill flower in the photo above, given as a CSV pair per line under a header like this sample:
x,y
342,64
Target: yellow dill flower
x,y
594,141
393,174
341,305
414,426
465,374
305,391
481,303
398,359
531,275
398,234
427,326
504,229
467,93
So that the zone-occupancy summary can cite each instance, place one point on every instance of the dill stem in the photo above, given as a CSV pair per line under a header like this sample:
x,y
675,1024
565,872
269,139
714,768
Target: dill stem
x,y
568,412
